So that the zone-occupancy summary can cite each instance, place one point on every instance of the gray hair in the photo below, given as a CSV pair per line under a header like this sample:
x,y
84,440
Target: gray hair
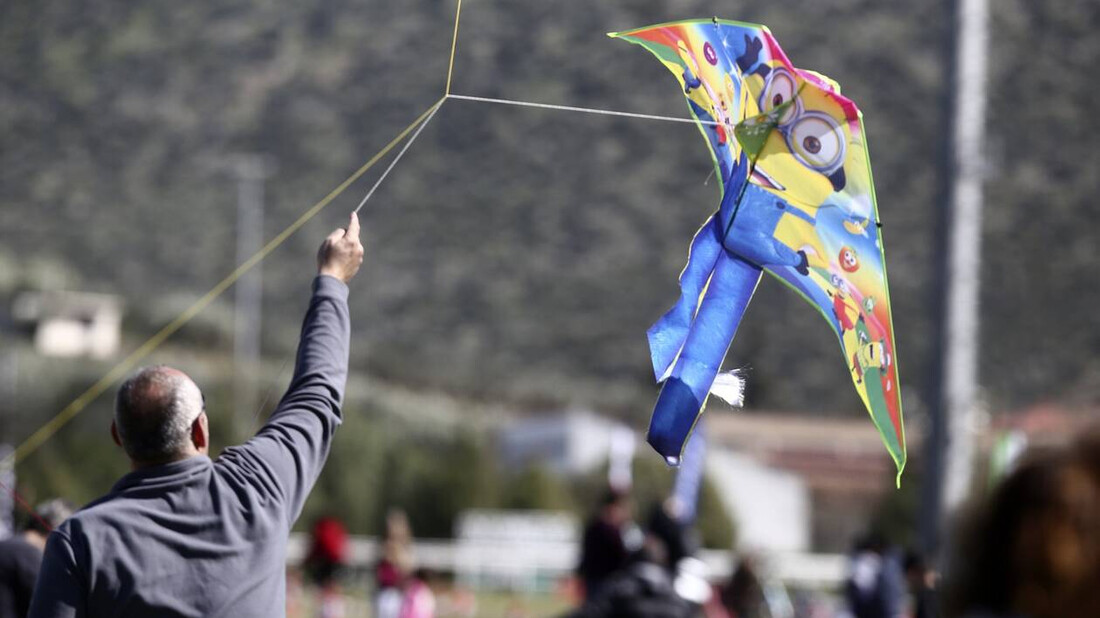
x,y
154,410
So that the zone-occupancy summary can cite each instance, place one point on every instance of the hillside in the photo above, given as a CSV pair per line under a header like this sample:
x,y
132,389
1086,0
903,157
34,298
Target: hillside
x,y
518,254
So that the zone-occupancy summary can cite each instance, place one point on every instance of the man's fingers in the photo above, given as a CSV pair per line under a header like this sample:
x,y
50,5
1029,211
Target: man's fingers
x,y
336,234
353,226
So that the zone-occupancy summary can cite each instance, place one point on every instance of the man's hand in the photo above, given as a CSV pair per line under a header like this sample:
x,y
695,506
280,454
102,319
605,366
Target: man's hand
x,y
341,253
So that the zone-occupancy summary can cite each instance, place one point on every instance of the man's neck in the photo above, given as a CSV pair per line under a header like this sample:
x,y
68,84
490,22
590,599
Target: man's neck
x,y
136,465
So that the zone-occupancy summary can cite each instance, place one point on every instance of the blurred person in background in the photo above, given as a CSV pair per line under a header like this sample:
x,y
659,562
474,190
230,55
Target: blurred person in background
x,y
743,595
605,542
680,543
184,535
679,538
325,562
394,567
1032,550
876,583
418,600
21,556
642,588
922,583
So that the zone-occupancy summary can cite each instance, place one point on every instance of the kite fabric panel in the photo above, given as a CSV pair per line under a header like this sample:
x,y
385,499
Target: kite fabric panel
x,y
798,202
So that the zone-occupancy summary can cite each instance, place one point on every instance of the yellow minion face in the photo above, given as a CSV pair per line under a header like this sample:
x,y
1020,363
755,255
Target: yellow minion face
x,y
779,87
804,156
872,355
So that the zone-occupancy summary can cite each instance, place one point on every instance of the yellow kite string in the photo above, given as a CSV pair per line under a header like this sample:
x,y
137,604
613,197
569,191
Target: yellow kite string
x,y
454,45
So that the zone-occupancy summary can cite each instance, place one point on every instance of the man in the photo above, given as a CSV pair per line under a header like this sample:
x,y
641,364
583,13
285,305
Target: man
x,y
604,548
875,586
182,535
643,588
21,555
921,581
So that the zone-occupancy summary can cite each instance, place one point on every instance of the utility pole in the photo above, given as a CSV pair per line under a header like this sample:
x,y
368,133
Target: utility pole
x,y
7,492
9,407
950,444
250,171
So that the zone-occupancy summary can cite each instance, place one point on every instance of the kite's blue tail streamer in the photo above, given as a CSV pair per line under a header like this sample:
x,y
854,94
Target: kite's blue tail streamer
x,y
667,335
731,287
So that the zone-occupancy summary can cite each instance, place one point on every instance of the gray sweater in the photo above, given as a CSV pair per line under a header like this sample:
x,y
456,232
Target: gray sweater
x,y
208,538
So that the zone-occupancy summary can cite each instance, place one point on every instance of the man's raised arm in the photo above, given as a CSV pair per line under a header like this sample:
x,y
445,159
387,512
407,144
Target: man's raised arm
x,y
291,448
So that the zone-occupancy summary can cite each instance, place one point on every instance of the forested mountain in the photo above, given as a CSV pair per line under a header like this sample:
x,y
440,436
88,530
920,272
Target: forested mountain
x,y
518,254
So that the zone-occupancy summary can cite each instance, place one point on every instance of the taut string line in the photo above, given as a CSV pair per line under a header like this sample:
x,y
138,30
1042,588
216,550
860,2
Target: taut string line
x,y
401,153
583,110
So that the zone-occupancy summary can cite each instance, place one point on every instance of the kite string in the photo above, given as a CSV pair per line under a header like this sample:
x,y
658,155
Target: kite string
x,y
80,403
378,183
583,110
51,427
401,153
271,391
454,46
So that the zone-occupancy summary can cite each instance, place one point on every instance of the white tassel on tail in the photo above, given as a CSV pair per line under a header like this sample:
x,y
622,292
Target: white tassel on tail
x,y
729,387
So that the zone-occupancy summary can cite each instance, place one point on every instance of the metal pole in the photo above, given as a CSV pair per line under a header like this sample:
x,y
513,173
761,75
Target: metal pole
x,y
250,171
951,440
9,408
7,489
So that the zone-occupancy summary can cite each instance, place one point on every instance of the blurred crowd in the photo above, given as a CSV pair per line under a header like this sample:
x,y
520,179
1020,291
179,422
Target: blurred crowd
x,y
1031,549
400,589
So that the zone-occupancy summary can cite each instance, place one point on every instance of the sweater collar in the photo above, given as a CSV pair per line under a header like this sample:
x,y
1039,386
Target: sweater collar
x,y
163,474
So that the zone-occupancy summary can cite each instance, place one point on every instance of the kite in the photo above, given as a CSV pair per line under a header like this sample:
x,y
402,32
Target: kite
x,y
798,202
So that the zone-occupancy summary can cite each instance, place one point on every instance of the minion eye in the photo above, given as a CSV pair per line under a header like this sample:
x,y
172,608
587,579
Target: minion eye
x,y
817,141
779,89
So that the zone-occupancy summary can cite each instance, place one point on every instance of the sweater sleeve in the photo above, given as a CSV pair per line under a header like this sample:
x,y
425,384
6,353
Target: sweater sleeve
x,y
59,592
287,454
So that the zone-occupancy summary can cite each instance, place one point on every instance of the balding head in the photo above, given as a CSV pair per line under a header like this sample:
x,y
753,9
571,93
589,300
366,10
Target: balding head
x,y
154,412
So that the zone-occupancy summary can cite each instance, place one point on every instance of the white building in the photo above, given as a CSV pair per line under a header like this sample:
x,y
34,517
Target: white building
x,y
573,442
771,506
71,324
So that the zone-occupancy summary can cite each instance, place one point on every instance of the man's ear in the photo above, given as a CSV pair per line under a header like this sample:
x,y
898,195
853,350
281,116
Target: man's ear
x,y
114,434
200,433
